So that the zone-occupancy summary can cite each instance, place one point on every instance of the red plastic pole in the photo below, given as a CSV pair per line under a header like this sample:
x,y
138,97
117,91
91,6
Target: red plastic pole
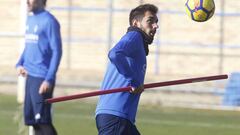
x,y
126,89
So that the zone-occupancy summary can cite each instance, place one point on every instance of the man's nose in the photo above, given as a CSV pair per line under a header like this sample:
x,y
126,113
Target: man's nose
x,y
155,26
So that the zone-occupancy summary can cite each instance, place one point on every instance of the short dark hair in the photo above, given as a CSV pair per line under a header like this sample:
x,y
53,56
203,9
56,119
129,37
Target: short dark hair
x,y
138,12
44,2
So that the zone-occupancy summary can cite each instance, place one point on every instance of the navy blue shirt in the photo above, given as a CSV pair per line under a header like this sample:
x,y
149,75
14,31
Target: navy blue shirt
x,y
43,46
127,67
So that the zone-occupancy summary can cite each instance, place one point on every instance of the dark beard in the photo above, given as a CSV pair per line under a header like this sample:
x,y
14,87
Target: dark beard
x,y
147,40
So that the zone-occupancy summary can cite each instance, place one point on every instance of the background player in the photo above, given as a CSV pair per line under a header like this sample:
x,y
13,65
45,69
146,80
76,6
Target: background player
x,y
39,63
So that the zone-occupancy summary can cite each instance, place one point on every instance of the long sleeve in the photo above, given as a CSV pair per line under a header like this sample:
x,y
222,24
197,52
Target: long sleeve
x,y
54,36
126,68
21,60
119,55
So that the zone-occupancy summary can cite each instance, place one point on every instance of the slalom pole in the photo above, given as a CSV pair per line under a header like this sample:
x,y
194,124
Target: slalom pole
x,y
127,89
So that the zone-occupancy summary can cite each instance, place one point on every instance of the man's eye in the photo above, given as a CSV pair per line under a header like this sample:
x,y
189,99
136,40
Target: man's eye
x,y
150,21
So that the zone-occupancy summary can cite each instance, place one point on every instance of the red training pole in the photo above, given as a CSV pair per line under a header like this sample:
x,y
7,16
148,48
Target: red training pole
x,y
126,89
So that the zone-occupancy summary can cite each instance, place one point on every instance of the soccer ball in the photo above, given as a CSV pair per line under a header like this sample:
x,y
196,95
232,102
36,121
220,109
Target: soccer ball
x,y
200,10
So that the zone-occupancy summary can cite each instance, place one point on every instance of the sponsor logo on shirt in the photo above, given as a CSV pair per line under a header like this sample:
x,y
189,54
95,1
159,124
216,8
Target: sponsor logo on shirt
x,y
31,37
35,29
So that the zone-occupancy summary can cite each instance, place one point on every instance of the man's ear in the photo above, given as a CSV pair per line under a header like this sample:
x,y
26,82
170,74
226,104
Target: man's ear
x,y
135,23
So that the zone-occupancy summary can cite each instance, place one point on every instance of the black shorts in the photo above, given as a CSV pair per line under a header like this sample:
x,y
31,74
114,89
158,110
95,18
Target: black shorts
x,y
108,124
35,110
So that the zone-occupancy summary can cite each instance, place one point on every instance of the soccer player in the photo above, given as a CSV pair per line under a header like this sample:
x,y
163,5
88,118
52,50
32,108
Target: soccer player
x,y
39,63
115,113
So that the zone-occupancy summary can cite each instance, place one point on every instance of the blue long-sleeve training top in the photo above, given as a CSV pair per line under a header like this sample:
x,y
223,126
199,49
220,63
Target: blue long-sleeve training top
x,y
126,68
43,46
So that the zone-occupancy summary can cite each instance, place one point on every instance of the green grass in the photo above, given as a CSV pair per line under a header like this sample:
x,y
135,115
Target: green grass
x,y
8,108
74,118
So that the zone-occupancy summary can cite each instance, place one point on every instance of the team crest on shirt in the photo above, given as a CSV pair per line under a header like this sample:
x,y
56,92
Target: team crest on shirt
x,y
35,28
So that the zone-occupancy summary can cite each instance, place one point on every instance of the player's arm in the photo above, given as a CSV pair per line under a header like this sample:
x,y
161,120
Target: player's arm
x,y
118,56
54,37
19,66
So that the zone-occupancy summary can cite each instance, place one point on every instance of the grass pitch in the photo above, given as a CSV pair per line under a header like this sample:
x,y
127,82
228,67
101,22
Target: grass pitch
x,y
77,117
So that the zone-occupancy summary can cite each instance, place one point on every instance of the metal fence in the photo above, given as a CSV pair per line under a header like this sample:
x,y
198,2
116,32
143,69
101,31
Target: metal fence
x,y
181,47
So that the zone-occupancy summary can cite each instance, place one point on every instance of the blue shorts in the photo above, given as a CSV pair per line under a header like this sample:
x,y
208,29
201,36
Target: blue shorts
x,y
108,124
35,110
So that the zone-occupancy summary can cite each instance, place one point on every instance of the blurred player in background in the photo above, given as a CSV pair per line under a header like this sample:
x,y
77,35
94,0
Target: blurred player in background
x,y
115,113
39,63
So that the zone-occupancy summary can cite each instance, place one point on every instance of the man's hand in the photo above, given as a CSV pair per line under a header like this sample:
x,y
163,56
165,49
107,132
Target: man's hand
x,y
45,87
21,71
137,90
